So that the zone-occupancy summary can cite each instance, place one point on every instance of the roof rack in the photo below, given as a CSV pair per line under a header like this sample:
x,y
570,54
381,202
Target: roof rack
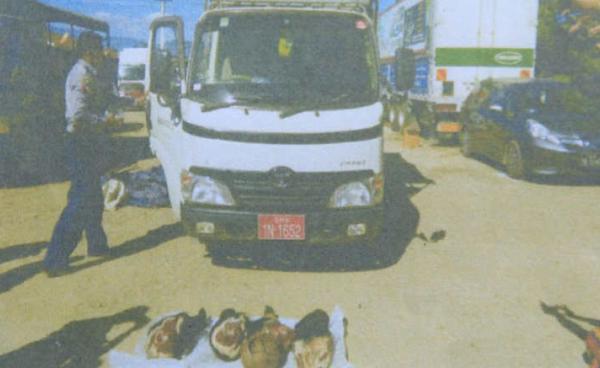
x,y
364,6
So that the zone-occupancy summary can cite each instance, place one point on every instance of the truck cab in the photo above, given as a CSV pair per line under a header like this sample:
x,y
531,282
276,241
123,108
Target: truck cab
x,y
269,129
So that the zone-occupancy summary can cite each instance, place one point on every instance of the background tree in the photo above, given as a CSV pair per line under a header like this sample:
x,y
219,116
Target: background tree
x,y
568,40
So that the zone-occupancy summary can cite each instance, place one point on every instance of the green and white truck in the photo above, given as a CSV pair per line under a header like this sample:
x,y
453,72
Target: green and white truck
x,y
457,43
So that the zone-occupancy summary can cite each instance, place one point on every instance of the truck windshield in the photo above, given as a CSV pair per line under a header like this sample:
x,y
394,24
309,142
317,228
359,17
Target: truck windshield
x,y
285,60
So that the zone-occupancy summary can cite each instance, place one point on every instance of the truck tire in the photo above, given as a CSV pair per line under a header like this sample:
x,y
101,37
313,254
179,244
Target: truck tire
x,y
446,139
465,144
188,228
426,119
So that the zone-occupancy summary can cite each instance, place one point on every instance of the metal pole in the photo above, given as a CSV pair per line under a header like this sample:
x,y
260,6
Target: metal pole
x,y
162,33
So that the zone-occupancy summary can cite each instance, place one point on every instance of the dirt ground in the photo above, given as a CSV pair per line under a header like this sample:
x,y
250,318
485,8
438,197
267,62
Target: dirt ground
x,y
483,294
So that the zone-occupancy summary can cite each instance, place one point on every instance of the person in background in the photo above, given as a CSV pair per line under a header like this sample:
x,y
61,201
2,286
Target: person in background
x,y
87,97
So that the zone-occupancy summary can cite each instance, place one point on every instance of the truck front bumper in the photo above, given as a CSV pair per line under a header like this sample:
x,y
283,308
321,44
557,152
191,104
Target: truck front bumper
x,y
329,226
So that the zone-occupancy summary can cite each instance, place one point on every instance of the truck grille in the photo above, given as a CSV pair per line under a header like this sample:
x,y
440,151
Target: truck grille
x,y
263,191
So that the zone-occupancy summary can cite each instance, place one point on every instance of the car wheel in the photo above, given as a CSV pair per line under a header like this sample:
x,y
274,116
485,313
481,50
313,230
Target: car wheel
x,y
466,147
513,160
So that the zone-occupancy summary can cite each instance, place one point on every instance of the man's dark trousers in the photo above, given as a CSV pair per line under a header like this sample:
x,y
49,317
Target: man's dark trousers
x,y
84,156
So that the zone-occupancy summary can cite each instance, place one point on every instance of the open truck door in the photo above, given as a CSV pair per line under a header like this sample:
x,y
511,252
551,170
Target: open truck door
x,y
166,72
165,78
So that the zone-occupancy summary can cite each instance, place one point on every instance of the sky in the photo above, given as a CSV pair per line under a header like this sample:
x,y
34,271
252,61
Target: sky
x,y
131,18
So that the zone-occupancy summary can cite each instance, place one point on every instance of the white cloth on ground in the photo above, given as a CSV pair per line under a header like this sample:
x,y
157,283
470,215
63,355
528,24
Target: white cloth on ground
x,y
203,356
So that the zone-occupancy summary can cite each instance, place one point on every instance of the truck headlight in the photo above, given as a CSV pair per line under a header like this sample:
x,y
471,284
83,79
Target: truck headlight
x,y
361,193
205,190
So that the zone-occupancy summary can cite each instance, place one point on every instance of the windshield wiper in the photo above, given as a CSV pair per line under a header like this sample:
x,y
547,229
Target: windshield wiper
x,y
314,105
238,101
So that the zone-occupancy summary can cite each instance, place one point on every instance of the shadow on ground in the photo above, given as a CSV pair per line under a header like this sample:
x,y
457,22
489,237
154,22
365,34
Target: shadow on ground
x,y
152,239
579,326
79,344
15,252
403,180
563,180
550,180
47,165
569,320
128,127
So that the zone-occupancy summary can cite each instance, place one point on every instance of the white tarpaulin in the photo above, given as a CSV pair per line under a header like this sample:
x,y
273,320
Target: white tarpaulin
x,y
203,357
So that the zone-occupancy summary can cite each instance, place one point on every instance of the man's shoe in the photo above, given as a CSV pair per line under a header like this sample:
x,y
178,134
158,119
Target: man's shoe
x,y
56,271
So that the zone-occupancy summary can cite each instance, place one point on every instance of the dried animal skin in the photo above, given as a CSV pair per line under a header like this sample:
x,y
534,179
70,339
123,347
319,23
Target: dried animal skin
x,y
227,335
262,351
313,347
162,339
175,336
268,342
314,353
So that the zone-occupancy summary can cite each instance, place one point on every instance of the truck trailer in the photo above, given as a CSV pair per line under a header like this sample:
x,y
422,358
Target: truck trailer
x,y
457,43
38,49
271,131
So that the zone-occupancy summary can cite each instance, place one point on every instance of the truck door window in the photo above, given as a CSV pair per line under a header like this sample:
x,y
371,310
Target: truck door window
x,y
165,62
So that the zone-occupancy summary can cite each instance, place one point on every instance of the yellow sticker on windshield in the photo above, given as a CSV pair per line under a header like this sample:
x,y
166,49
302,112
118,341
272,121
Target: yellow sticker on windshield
x,y
284,48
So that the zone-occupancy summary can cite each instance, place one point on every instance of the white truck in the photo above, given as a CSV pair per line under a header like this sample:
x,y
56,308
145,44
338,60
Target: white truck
x,y
271,131
457,43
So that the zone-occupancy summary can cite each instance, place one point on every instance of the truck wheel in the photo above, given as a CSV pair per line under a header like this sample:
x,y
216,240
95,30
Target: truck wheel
x,y
427,120
465,144
188,228
217,252
446,139
513,160
383,252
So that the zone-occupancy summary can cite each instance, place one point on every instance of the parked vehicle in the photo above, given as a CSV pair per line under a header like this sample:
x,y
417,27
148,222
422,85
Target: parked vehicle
x,y
457,43
132,71
537,127
38,44
273,133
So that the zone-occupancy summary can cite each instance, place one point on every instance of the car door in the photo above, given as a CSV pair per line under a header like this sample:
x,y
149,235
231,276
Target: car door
x,y
474,118
493,122
165,78
503,130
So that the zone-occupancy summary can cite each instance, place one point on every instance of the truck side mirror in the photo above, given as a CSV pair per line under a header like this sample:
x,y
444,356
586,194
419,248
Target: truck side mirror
x,y
404,67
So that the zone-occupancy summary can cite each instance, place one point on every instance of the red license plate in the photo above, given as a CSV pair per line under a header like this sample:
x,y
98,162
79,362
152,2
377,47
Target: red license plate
x,y
281,227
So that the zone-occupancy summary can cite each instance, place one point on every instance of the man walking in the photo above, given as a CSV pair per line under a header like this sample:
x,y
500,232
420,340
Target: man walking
x,y
86,97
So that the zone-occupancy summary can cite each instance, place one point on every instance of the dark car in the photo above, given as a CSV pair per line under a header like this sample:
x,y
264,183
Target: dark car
x,y
536,127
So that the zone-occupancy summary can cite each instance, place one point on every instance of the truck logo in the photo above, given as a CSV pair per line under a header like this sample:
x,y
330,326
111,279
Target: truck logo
x,y
508,58
281,176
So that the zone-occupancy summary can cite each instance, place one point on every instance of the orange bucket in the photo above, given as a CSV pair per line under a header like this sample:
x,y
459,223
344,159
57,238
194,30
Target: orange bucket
x,y
410,139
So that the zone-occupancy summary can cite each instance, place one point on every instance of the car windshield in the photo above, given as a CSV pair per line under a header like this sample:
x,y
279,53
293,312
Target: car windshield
x,y
285,60
556,99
